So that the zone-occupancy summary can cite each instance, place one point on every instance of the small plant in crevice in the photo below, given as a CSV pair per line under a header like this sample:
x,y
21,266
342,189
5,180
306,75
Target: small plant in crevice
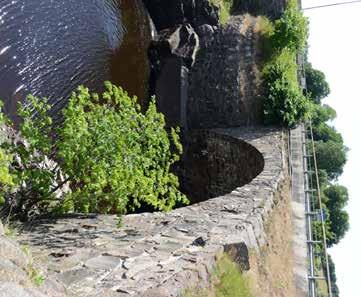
x,y
227,280
34,274
225,7
105,157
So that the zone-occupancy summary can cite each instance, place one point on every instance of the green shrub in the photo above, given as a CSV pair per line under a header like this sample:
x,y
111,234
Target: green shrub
x,y
291,30
284,101
111,155
6,179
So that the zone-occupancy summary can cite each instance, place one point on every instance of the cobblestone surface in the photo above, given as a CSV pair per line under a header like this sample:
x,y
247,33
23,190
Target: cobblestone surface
x,y
159,254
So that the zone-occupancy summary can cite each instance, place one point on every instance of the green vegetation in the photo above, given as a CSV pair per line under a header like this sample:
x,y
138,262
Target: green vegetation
x,y
111,156
287,104
227,281
6,179
291,30
284,101
224,9
232,282
34,274
317,86
331,154
334,288
331,157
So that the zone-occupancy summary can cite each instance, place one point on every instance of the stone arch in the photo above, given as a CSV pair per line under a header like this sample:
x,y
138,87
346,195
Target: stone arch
x,y
215,164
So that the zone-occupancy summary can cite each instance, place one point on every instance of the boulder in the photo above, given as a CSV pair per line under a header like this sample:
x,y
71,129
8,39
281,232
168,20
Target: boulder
x,y
172,55
11,289
181,41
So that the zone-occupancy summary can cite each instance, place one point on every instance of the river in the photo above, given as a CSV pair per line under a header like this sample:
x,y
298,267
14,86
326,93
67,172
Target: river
x,y
49,47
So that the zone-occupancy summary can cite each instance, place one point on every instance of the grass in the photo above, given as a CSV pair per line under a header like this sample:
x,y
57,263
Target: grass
x,y
227,281
232,283
271,273
34,274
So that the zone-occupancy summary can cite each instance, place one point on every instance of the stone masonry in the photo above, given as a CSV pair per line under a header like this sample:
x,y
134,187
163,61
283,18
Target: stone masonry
x,y
269,8
160,254
223,86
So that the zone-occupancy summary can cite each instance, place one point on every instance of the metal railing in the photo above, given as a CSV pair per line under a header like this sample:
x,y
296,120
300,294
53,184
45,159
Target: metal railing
x,y
316,247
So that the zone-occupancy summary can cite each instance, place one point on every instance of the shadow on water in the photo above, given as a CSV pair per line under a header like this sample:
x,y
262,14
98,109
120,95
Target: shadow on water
x,y
130,66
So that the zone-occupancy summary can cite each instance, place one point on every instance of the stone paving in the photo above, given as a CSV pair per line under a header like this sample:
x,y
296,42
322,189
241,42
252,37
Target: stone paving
x,y
160,254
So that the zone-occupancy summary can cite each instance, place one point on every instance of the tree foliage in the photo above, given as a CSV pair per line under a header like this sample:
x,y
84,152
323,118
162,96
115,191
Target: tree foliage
x,y
322,114
110,155
331,157
334,287
336,200
317,86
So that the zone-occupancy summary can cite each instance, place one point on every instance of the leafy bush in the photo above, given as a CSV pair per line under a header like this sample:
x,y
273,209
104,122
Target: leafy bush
x,y
112,156
291,30
284,101
6,179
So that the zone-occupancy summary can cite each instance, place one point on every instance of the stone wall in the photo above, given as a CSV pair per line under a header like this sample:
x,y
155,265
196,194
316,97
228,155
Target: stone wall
x,y
270,8
17,267
161,254
223,84
214,165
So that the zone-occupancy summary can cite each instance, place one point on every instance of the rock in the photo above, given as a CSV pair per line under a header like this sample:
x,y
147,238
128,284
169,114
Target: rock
x,y
171,57
10,289
272,9
224,88
166,14
103,262
2,231
206,35
12,251
199,242
239,254
9,272
181,41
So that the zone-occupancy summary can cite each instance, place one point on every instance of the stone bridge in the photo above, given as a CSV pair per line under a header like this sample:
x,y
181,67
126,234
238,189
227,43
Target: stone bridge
x,y
159,254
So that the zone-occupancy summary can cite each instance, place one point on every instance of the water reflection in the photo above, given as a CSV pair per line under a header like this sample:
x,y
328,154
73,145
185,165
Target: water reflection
x,y
48,47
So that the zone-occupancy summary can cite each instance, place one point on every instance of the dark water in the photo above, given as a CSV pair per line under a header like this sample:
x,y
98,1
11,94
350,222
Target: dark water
x,y
49,47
